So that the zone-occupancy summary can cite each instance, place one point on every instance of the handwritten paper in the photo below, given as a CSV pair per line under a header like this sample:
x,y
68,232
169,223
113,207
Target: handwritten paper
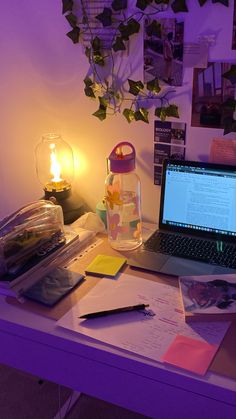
x,y
190,354
223,151
148,332
196,55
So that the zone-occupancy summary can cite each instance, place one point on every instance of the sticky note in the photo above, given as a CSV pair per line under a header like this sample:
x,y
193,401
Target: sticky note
x,y
190,354
103,265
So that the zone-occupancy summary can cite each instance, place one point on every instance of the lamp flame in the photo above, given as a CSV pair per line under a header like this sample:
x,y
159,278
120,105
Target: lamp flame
x,y
55,169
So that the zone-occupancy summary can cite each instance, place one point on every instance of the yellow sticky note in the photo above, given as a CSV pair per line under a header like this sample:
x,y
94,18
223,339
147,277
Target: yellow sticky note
x,y
103,265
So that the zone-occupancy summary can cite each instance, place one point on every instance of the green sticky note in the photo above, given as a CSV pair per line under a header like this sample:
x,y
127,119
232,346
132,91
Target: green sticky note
x,y
103,265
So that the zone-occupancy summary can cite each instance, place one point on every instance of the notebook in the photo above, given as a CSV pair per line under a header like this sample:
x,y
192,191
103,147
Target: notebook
x,y
197,221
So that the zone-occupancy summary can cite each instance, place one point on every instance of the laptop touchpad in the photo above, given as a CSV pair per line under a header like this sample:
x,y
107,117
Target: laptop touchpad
x,y
148,260
180,266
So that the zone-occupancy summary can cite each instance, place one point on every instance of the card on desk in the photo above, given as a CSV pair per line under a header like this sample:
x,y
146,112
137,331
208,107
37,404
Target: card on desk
x,y
104,265
53,286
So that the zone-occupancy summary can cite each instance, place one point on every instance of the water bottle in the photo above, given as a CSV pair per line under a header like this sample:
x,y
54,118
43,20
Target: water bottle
x,y
122,197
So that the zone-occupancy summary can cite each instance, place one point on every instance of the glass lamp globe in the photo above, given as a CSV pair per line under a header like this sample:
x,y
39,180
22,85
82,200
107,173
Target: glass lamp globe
x,y
55,170
54,164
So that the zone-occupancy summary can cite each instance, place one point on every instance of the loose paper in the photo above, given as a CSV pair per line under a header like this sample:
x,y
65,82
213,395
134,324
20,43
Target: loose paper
x,y
146,332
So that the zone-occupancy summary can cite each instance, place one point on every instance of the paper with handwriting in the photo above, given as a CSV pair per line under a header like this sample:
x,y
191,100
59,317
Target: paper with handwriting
x,y
148,332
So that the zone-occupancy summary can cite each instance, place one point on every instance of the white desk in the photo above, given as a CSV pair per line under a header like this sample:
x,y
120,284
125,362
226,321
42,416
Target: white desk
x,y
33,343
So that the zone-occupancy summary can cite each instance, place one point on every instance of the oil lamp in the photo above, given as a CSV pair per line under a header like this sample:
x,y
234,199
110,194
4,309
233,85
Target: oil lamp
x,y
55,170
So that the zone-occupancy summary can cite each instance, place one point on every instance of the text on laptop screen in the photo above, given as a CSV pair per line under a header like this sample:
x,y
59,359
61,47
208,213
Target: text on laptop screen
x,y
200,198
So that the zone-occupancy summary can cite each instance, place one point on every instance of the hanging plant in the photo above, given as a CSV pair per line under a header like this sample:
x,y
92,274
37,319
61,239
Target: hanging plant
x,y
115,94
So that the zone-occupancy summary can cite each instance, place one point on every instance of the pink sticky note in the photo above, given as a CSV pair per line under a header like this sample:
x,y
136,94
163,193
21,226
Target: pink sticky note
x,y
190,354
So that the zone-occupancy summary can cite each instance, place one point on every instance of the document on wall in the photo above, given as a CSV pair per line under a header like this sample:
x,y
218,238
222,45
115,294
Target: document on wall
x,y
223,151
149,332
196,54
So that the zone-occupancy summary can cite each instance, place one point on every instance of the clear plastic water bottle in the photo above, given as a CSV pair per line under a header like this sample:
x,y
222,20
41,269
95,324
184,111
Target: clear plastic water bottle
x,y
123,199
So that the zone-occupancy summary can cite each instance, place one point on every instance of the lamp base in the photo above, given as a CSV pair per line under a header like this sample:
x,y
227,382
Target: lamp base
x,y
72,205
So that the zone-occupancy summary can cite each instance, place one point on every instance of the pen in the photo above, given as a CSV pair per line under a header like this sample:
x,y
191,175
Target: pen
x,y
113,311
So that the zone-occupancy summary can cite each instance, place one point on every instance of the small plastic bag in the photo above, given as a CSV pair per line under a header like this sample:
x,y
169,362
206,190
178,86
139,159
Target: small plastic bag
x,y
28,235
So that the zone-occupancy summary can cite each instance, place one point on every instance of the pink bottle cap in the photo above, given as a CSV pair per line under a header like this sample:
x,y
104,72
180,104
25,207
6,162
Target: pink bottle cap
x,y
120,162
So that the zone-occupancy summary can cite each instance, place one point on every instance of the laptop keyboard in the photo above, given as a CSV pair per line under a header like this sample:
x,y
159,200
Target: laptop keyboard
x,y
212,252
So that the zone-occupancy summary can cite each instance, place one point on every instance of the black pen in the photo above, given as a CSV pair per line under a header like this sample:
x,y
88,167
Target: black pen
x,y
114,311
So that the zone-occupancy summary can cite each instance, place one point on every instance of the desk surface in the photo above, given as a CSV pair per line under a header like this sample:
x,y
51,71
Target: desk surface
x,y
32,342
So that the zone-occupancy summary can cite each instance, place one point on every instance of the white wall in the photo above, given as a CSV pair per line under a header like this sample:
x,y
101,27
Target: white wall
x,y
41,90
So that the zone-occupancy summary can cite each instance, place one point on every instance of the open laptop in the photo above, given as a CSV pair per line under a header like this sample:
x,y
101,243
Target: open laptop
x,y
197,222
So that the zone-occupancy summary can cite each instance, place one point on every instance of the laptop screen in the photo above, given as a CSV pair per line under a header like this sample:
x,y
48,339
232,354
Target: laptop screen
x,y
199,198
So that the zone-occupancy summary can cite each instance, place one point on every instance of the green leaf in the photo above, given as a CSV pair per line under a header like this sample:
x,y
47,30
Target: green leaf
x,y
89,92
172,110
88,82
97,56
123,31
119,5
128,114
224,2
231,74
153,86
133,26
126,30
105,17
135,87
161,113
96,44
142,4
118,44
72,19
154,29
141,115
202,2
98,59
179,6
230,104
74,34
229,125
100,114
67,6
103,102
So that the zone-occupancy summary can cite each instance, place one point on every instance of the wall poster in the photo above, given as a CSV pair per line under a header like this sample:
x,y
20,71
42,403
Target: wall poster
x,y
169,142
163,50
210,91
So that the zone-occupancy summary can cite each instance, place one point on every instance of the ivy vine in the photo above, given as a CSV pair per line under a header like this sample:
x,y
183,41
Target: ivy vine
x,y
123,22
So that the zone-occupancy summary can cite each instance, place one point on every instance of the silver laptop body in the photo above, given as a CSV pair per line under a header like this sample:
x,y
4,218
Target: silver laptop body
x,y
198,200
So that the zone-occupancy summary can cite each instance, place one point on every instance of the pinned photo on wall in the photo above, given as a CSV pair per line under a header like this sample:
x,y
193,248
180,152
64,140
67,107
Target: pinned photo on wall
x,y
163,50
169,142
210,91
